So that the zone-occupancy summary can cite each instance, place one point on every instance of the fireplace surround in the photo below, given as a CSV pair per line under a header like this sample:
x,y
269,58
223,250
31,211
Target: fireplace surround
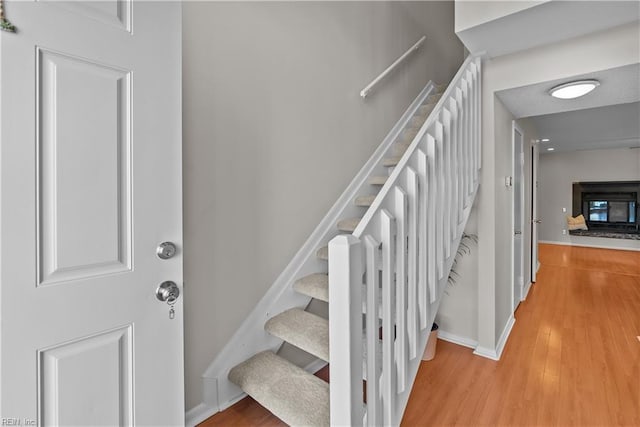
x,y
611,208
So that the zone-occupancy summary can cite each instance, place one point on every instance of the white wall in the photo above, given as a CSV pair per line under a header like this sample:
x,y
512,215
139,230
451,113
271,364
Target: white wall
x,y
458,311
274,130
558,171
472,13
594,52
504,217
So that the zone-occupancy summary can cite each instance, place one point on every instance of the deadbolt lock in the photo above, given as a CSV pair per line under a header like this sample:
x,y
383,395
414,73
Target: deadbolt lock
x,y
166,250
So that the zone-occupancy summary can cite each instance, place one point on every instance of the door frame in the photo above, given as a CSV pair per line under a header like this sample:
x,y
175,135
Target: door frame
x,y
535,264
517,128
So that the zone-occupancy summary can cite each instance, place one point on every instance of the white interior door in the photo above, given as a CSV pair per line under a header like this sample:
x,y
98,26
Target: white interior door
x,y
535,221
90,175
518,215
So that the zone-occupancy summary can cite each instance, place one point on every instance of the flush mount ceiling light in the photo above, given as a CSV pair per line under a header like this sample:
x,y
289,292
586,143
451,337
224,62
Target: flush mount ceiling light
x,y
575,89
550,149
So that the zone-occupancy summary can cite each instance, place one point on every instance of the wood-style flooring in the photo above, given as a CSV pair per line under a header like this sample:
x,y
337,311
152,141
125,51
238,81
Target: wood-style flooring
x,y
573,357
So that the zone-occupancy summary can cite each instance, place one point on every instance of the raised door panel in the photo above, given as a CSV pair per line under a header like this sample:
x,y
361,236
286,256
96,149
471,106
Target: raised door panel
x,y
84,168
88,382
116,13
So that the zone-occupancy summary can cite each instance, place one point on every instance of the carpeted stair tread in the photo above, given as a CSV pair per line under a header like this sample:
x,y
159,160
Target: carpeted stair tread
x,y
365,201
409,134
295,396
398,149
348,224
315,285
378,180
441,87
417,121
323,253
432,99
391,161
302,329
425,109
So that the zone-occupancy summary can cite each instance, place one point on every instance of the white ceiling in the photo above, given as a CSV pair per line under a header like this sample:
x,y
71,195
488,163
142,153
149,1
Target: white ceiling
x,y
608,117
547,23
619,85
613,126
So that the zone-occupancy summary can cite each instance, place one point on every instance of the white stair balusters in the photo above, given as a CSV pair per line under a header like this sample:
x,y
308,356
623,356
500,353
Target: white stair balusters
x,y
403,250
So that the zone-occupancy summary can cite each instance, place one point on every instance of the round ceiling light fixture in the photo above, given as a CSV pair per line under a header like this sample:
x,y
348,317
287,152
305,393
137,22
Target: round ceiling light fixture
x,y
575,89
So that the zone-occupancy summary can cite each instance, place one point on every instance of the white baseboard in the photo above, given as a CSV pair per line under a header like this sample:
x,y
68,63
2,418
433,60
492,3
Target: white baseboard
x,y
457,339
495,353
489,353
586,245
525,291
553,242
505,335
198,414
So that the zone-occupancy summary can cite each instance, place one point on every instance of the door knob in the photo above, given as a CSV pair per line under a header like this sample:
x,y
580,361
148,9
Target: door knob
x,y
168,292
517,232
537,221
166,250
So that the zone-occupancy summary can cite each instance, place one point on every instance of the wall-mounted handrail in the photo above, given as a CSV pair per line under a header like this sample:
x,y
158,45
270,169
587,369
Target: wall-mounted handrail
x,y
364,92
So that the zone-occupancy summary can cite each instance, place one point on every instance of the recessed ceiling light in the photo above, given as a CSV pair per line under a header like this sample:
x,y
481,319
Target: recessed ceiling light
x,y
550,149
545,140
574,89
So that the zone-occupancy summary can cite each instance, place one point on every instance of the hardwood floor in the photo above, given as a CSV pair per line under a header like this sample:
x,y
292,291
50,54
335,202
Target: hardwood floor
x,y
573,357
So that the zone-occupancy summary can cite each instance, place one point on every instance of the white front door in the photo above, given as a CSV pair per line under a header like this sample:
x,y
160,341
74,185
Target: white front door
x,y
90,175
518,215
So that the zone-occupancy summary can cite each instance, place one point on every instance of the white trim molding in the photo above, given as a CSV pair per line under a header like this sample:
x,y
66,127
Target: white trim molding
x,y
525,291
585,245
457,339
505,335
198,414
495,353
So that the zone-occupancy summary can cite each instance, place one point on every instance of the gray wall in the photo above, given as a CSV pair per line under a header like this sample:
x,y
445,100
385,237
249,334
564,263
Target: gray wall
x,y
274,130
557,173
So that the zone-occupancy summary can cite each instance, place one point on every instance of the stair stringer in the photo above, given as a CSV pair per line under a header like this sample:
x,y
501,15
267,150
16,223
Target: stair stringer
x,y
250,338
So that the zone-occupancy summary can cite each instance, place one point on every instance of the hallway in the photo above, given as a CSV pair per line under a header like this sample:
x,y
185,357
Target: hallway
x,y
573,357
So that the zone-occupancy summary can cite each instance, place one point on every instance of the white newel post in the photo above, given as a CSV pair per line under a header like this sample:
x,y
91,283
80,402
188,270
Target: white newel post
x,y
345,330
